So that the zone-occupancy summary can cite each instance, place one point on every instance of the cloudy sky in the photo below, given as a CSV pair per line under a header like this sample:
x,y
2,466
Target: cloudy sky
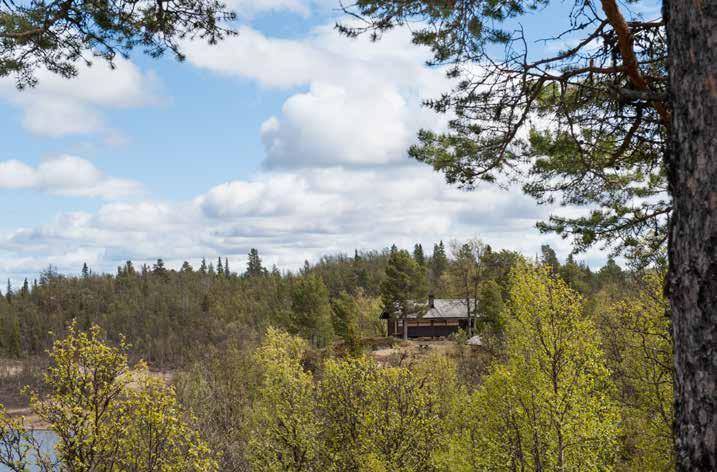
x,y
287,138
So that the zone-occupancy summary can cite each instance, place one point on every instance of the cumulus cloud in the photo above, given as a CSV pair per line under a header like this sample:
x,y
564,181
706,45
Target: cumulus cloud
x,y
58,107
335,175
363,103
289,217
66,175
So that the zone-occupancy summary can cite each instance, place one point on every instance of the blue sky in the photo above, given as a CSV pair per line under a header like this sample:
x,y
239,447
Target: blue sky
x,y
288,138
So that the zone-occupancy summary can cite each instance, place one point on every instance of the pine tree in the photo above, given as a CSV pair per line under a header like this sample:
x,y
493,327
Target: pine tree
x,y
186,268
203,266
254,267
404,289
220,267
227,272
418,255
25,290
312,309
549,258
159,269
8,291
85,271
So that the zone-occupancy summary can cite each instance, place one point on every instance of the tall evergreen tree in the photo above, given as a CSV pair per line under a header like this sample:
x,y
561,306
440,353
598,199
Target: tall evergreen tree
x,y
85,270
418,255
227,272
404,290
254,267
549,258
220,267
439,264
312,310
203,266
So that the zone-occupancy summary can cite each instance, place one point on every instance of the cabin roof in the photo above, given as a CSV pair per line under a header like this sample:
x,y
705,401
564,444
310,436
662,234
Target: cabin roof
x,y
443,308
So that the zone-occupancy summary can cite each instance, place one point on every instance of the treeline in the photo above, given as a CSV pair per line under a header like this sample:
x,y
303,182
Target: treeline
x,y
578,384
574,372
169,316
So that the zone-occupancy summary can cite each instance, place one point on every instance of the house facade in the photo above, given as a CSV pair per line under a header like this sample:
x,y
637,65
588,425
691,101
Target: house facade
x,y
441,317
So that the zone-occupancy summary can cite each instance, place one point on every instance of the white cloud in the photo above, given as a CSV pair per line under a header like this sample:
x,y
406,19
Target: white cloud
x,y
335,176
249,8
59,107
363,103
289,217
331,124
66,175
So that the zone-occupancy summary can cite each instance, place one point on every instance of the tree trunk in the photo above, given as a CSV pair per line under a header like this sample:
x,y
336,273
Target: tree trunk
x,y
405,328
692,280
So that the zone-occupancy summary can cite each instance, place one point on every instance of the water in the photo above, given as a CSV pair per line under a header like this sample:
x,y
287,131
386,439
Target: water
x,y
47,440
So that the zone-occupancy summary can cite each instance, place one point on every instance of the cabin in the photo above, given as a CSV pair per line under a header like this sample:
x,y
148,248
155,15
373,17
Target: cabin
x,y
440,318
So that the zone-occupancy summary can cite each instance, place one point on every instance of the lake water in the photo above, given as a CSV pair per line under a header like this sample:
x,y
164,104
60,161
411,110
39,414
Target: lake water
x,y
46,438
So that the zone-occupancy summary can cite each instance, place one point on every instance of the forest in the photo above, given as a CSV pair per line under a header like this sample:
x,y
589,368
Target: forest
x,y
270,370
600,112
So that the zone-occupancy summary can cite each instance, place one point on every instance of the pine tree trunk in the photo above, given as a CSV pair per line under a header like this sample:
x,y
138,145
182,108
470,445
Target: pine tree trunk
x,y
405,328
692,172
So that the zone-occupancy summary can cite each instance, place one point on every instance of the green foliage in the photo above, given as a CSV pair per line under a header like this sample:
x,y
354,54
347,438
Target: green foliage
x,y
220,390
106,415
254,267
639,346
491,320
285,429
55,35
598,112
346,321
357,417
312,310
555,410
404,290
438,265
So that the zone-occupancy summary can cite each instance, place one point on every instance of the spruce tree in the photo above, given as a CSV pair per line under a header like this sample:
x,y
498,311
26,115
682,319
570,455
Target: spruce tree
x,y
227,272
203,266
220,267
85,271
254,267
439,264
418,255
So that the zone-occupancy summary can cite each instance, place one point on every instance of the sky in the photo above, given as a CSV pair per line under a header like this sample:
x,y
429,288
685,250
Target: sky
x,y
288,138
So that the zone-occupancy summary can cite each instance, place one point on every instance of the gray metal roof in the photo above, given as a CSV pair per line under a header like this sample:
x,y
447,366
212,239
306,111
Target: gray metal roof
x,y
442,308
